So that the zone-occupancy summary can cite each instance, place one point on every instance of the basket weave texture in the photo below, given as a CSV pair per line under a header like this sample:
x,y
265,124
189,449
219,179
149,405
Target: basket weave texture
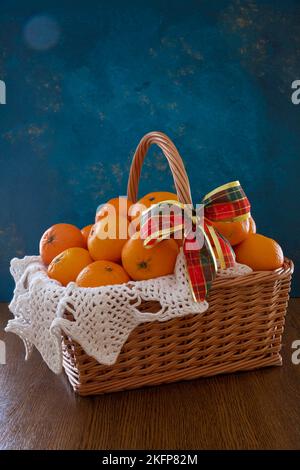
x,y
241,330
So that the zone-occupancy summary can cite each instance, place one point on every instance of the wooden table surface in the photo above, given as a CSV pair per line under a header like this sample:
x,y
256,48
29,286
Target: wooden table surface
x,y
252,410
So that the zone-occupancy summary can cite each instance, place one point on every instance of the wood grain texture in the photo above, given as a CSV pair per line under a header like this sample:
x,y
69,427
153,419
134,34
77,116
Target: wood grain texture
x,y
253,410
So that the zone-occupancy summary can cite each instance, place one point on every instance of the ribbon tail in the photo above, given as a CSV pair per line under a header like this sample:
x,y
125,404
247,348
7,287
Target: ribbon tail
x,y
225,253
201,266
227,250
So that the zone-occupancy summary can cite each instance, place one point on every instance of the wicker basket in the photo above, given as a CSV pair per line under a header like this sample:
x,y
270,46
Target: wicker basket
x,y
241,330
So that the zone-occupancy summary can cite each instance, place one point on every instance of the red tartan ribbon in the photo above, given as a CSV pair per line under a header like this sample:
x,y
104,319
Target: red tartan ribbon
x,y
226,203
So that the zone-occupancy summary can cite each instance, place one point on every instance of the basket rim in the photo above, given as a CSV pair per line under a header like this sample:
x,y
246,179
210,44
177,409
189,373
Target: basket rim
x,y
257,276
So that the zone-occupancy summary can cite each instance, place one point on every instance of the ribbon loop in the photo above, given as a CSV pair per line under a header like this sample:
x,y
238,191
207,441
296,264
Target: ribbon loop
x,y
203,244
227,203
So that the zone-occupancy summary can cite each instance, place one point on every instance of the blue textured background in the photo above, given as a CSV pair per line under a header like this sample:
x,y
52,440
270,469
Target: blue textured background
x,y
214,75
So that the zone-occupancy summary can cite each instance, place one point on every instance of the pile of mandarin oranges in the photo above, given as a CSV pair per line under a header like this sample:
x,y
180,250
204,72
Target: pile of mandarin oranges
x,y
92,258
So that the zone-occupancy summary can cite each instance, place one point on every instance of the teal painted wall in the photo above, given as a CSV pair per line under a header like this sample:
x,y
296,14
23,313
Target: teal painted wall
x,y
85,80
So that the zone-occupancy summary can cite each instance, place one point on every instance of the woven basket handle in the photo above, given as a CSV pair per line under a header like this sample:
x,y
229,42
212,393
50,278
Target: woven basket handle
x,y
175,162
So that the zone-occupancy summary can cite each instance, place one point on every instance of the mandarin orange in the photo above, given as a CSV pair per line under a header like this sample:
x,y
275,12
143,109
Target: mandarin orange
x,y
235,232
147,263
119,205
107,238
86,231
66,266
145,202
102,273
260,253
58,238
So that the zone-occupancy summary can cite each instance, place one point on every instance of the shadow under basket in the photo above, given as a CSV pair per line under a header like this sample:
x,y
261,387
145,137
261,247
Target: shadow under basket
x,y
240,331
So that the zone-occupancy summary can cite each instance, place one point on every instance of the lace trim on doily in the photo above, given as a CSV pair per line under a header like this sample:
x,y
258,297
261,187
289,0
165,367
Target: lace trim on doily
x,y
103,318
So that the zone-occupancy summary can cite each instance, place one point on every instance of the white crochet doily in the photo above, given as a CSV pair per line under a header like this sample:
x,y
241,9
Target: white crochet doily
x,y
103,318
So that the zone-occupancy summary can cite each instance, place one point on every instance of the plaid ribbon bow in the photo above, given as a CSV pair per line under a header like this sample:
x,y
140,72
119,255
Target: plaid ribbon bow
x,y
225,203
